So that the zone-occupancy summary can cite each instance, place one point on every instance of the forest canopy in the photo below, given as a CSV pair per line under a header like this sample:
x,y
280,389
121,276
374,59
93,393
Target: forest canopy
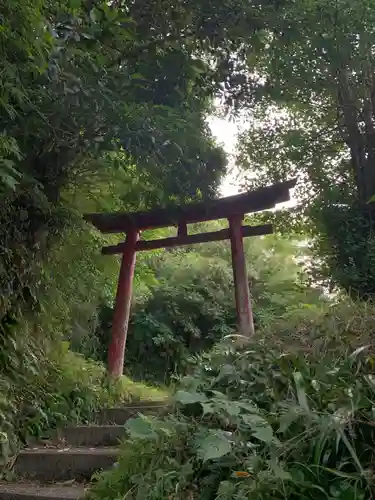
x,y
104,105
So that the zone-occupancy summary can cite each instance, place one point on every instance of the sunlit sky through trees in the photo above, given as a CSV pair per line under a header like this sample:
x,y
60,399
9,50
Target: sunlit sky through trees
x,y
226,132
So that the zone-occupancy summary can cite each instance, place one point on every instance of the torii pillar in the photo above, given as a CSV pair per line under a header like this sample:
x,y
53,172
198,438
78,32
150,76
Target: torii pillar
x,y
123,300
245,320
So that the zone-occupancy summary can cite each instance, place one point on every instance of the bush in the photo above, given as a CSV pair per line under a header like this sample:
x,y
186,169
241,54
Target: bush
x,y
263,422
344,242
188,311
43,384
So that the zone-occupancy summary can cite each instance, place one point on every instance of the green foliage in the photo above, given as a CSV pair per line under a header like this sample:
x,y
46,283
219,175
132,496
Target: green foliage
x,y
25,45
313,118
74,112
45,385
346,243
103,107
263,421
188,310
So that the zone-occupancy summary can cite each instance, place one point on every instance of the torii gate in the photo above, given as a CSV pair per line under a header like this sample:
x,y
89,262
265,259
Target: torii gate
x,y
232,208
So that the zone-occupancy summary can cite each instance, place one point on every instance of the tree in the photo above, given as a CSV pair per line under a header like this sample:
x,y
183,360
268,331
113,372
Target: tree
x,y
313,89
104,107
77,106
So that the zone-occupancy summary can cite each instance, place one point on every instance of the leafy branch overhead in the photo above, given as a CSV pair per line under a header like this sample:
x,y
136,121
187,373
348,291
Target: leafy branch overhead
x,y
312,116
98,91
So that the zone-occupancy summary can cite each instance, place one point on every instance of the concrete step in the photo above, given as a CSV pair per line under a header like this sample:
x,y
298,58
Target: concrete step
x,y
120,415
59,464
92,435
10,491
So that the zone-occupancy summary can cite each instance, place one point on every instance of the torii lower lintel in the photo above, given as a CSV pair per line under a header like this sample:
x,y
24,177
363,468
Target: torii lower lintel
x,y
232,208
186,239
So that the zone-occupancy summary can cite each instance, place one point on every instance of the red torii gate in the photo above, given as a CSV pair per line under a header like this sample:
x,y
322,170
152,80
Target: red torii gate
x,y
232,208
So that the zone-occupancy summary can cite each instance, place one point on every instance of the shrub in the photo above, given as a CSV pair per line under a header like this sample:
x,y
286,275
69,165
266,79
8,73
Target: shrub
x,y
43,384
189,305
263,422
188,311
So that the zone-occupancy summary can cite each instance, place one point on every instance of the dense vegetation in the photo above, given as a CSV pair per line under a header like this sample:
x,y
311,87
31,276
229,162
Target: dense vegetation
x,y
93,116
43,385
312,116
104,107
285,417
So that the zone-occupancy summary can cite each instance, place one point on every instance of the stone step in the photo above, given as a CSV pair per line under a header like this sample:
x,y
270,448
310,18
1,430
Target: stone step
x,y
120,415
59,464
20,491
92,435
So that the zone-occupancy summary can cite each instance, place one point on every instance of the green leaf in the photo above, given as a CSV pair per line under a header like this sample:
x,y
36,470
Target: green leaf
x,y
261,429
75,4
199,66
226,371
254,420
188,398
208,408
226,489
9,181
219,394
351,450
279,472
232,408
214,445
287,419
250,407
264,434
140,427
301,393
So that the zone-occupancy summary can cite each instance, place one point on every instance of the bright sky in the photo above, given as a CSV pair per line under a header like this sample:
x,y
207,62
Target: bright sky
x,y
226,133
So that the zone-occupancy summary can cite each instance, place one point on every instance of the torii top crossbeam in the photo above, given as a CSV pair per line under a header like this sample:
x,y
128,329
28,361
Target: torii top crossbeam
x,y
232,208
253,201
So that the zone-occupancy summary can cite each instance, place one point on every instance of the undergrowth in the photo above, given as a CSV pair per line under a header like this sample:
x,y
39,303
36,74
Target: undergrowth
x,y
143,391
44,385
287,419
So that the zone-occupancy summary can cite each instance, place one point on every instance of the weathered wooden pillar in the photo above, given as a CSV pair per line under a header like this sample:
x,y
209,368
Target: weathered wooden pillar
x,y
121,314
241,283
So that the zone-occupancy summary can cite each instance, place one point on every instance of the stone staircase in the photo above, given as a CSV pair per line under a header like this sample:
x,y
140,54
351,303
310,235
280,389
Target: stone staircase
x,y
62,470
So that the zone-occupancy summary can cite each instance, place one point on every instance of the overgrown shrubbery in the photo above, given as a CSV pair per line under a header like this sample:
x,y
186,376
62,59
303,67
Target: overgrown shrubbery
x,y
189,309
43,385
266,421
